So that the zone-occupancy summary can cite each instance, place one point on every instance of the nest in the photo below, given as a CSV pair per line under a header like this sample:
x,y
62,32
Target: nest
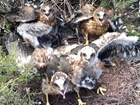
x,y
119,82
122,83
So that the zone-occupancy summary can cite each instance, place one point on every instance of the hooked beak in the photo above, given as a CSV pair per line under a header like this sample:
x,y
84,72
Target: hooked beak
x,y
101,21
88,59
49,15
63,91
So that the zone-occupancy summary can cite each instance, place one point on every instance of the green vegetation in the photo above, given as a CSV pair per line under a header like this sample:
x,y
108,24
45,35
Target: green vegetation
x,y
122,3
11,79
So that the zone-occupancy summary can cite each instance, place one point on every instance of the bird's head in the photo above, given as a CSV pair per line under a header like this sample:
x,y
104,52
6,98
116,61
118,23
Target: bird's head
x,y
100,15
60,82
48,11
87,53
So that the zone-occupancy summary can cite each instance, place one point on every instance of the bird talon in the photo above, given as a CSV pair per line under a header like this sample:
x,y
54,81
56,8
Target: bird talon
x,y
101,90
80,102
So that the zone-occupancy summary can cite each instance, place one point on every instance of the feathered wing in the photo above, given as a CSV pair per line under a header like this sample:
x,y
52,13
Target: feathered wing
x,y
30,32
111,46
21,52
21,14
124,47
86,12
106,38
67,33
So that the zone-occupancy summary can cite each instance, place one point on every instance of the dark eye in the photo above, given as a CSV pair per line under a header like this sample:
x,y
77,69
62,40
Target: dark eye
x,y
56,85
50,10
104,15
43,10
92,55
84,54
98,14
65,82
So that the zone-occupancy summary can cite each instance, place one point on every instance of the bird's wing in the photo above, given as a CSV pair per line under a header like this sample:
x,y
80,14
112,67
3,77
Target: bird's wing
x,y
81,16
15,45
76,73
86,12
34,29
21,51
106,38
31,31
21,14
124,46
64,50
53,66
113,22
120,47
76,49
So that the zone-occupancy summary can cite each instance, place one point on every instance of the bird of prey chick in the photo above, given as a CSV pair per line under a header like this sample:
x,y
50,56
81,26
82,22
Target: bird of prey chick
x,y
57,81
80,73
115,51
41,25
58,84
86,66
56,71
96,23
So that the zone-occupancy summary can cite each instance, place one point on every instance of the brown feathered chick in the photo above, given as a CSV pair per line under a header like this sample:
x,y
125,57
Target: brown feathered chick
x,y
42,25
81,72
59,84
97,25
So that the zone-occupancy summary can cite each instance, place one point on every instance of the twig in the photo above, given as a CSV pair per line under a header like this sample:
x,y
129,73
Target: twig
x,y
8,83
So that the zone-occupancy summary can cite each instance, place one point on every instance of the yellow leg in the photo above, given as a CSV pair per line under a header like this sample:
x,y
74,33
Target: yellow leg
x,y
87,41
47,100
79,100
59,67
100,90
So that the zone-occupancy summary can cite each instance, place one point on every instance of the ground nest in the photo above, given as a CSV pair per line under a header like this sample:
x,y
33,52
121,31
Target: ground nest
x,y
122,83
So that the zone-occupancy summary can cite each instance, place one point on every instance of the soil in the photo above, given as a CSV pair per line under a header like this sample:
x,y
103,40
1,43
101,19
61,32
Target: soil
x,y
122,83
